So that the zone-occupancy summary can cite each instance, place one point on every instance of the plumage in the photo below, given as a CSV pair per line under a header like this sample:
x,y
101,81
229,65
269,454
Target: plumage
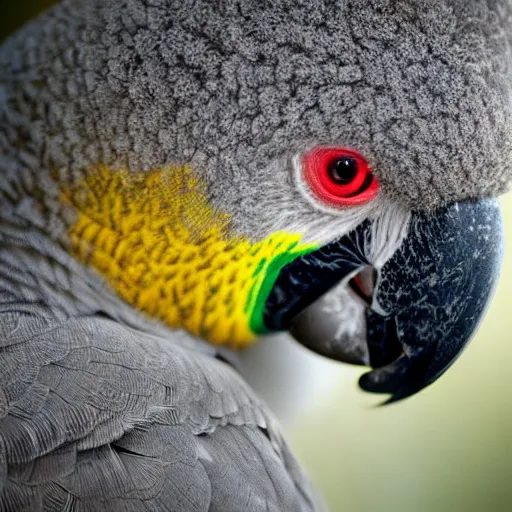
x,y
167,194
101,416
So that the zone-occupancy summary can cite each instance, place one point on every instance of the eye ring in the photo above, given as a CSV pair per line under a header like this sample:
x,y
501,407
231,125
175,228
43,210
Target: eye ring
x,y
339,177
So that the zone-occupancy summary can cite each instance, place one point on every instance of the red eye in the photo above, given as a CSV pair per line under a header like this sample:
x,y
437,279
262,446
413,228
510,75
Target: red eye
x,y
339,177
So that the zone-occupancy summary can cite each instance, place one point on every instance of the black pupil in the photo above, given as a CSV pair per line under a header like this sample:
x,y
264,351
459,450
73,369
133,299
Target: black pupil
x,y
343,170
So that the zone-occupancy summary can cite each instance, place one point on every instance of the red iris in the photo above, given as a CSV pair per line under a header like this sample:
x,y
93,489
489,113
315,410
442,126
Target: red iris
x,y
339,177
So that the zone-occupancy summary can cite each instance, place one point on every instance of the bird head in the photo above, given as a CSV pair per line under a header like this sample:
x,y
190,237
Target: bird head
x,y
222,167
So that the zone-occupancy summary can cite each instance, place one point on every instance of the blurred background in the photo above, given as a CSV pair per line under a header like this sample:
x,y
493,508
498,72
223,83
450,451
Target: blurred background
x,y
447,449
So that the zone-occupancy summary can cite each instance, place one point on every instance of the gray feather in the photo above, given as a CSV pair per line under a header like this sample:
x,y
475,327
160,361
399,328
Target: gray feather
x,y
97,414
101,416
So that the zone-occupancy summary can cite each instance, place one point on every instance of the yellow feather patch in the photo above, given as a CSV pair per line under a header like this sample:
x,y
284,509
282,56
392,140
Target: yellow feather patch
x,y
164,250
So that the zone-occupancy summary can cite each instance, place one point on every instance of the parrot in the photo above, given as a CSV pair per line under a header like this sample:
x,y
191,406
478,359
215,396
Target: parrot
x,y
181,178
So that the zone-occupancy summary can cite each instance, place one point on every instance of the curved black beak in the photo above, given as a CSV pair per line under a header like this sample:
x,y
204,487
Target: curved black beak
x,y
433,293
428,299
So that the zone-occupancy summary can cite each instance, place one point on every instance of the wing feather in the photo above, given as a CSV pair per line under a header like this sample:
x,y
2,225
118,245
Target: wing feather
x,y
100,416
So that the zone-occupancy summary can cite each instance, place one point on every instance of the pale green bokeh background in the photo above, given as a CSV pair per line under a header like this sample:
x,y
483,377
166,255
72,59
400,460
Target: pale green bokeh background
x,y
447,449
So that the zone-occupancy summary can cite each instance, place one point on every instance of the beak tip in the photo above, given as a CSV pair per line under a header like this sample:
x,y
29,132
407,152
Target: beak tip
x,y
402,378
403,391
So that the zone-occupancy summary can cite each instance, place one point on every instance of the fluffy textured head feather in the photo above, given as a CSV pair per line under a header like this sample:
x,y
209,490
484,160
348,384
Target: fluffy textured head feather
x,y
421,88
